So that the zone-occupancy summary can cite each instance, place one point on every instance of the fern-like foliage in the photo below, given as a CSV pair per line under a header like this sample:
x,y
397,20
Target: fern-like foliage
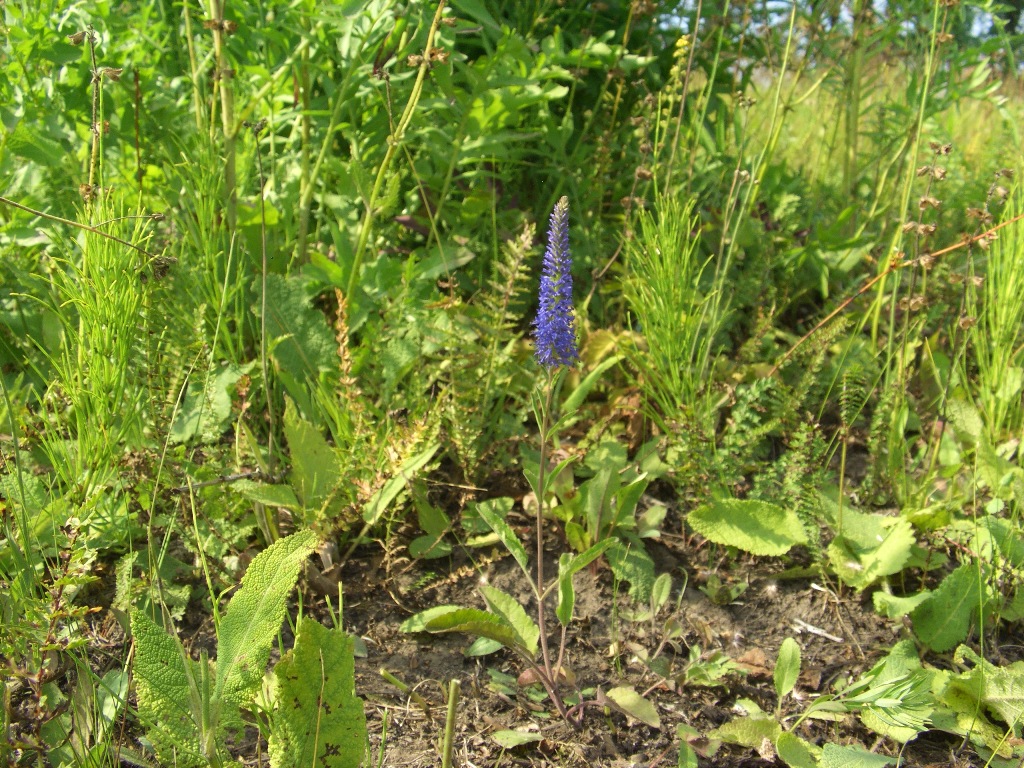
x,y
487,390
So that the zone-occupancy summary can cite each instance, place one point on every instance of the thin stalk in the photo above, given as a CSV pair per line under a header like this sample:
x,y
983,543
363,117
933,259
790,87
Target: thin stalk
x,y
541,503
393,141
449,724
224,76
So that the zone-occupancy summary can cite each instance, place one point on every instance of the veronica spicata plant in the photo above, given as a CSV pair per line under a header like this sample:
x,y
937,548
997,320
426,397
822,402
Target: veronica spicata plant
x,y
506,623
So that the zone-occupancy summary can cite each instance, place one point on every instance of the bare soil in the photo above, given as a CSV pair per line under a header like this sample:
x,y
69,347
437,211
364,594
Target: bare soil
x,y
838,632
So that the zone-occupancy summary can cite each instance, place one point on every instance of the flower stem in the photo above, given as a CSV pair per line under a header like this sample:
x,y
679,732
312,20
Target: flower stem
x,y
545,421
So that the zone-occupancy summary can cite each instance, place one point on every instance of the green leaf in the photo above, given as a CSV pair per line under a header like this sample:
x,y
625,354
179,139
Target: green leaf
x,y
304,345
30,144
206,408
513,739
375,508
508,608
494,515
787,667
316,468
749,731
628,701
630,562
481,623
661,591
319,719
834,756
989,689
254,616
893,607
754,526
795,752
418,622
166,680
944,619
568,566
271,495
870,547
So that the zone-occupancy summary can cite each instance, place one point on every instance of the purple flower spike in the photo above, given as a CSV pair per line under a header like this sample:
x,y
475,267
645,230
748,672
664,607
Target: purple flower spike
x,y
555,323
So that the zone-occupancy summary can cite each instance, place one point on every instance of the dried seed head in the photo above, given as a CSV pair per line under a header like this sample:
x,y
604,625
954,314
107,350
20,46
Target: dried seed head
x,y
927,261
643,174
111,73
980,214
928,202
940,149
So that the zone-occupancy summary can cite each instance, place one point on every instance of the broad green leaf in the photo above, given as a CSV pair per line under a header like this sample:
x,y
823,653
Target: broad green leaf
x,y
508,608
754,526
492,515
893,607
661,591
787,667
32,144
749,731
167,692
987,688
795,752
418,622
513,739
316,468
205,411
271,495
870,547
944,619
630,562
835,756
636,706
319,720
471,621
568,566
254,615
304,344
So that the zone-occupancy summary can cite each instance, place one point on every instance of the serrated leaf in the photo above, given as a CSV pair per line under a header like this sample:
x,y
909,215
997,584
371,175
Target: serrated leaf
x,y
988,689
316,468
471,621
870,547
254,616
754,526
165,694
945,618
636,706
508,608
893,607
304,344
513,739
319,720
787,667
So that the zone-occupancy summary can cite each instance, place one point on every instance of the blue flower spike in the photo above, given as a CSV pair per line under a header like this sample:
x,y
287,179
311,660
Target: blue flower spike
x,y
556,323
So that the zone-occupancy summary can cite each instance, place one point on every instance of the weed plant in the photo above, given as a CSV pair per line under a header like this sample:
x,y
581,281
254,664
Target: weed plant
x,y
264,280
